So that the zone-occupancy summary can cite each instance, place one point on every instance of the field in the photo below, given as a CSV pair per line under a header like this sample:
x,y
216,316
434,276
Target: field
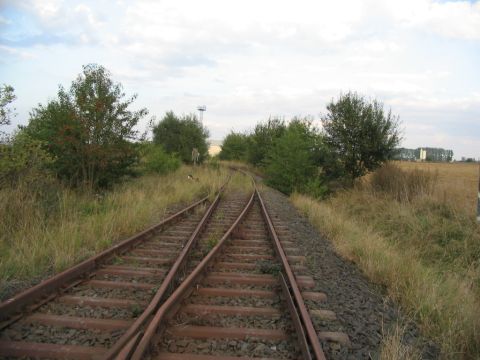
x,y
457,182
412,228
43,235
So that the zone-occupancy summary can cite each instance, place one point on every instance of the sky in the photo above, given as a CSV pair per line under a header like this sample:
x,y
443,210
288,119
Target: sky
x,y
250,60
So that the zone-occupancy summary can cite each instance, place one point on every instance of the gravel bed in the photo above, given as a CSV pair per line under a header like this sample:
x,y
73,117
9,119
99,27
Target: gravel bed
x,y
60,335
235,301
56,308
133,279
141,264
130,294
258,322
251,347
232,285
363,311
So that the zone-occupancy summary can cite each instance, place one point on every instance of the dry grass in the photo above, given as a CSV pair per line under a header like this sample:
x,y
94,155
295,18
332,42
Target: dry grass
x,y
394,348
457,182
424,248
39,237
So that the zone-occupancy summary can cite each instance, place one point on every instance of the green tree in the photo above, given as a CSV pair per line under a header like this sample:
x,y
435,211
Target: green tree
x,y
88,129
7,96
360,133
292,163
179,135
263,138
234,147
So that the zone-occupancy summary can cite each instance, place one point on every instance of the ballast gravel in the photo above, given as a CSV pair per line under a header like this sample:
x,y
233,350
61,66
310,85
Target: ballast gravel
x,y
362,309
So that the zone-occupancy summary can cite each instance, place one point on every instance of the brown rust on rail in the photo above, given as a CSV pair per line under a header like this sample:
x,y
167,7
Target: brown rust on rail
x,y
184,288
167,283
57,282
293,285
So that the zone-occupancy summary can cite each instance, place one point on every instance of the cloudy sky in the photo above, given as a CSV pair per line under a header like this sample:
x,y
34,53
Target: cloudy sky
x,y
248,60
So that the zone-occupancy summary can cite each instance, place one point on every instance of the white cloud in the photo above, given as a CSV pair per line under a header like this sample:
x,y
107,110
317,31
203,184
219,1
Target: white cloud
x,y
456,19
250,59
16,53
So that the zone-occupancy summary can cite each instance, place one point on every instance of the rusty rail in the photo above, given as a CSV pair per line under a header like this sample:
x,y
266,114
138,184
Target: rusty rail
x,y
293,287
166,284
59,281
308,339
178,294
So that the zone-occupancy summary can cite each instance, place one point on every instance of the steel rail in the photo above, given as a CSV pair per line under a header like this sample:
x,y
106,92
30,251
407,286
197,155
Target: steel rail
x,y
292,284
49,287
136,352
167,283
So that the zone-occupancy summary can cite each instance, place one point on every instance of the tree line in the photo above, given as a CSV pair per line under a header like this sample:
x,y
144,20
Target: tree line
x,y
87,136
356,136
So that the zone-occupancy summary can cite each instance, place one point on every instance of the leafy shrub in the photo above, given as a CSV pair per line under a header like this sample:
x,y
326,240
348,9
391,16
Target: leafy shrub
x,y
262,139
291,162
234,147
179,135
156,160
23,159
316,188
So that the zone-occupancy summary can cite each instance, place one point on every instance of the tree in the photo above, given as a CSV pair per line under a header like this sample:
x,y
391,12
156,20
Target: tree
x,y
292,162
179,135
88,129
263,138
360,133
156,160
234,147
7,96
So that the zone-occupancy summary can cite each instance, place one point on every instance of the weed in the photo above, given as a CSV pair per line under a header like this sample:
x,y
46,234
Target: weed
x,y
268,267
422,246
35,242
136,310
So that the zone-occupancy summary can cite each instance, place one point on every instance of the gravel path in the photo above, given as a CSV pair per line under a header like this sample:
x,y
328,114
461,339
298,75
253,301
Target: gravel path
x,y
363,311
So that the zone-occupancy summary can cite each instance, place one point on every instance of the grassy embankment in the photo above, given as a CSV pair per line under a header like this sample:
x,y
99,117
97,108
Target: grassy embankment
x,y
414,231
38,238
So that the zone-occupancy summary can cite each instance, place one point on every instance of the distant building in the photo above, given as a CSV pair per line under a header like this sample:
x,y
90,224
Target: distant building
x,y
214,147
424,154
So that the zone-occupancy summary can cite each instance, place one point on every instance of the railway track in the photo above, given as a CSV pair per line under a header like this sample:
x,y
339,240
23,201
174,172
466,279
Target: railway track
x,y
218,283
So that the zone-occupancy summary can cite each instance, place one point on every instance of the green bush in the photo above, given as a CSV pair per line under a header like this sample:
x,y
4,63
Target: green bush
x,y
179,135
316,188
23,159
156,160
234,147
291,163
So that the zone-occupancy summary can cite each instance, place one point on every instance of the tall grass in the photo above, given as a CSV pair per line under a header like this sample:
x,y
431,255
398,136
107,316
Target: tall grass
x,y
425,250
45,232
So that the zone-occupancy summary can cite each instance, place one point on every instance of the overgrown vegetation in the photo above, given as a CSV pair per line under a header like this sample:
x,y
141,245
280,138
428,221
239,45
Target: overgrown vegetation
x,y
156,160
357,137
47,232
360,133
424,248
78,176
7,96
88,130
180,135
